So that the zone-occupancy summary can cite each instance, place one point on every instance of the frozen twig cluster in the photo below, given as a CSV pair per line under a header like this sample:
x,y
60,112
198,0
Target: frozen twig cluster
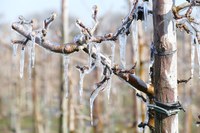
x,y
187,21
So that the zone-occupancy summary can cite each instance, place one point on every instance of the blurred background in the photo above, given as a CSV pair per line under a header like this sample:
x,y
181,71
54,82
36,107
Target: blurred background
x,y
33,104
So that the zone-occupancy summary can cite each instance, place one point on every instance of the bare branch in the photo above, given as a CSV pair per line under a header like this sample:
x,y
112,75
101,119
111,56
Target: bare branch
x,y
186,21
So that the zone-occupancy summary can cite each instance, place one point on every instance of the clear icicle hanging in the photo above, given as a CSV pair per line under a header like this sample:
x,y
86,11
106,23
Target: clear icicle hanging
x,y
109,87
33,52
30,61
14,49
66,69
82,75
22,57
112,53
122,45
92,98
152,50
192,56
145,11
90,54
97,60
135,39
198,53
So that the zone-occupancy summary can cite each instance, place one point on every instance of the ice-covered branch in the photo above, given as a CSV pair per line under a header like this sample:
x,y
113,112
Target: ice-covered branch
x,y
185,20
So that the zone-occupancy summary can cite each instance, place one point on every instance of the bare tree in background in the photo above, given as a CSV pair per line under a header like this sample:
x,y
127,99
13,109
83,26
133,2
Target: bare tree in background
x,y
63,101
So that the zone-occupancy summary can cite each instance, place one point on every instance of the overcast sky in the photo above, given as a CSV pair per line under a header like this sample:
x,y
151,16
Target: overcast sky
x,y
11,9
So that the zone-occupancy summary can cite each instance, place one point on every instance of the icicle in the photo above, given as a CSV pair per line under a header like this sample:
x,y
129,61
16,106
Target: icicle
x,y
145,11
135,39
22,62
122,44
198,53
152,50
97,60
92,98
192,56
82,75
90,54
66,67
109,87
33,52
112,53
14,49
30,61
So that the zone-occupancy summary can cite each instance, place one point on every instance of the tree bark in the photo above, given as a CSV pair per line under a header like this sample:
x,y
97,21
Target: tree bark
x,y
165,65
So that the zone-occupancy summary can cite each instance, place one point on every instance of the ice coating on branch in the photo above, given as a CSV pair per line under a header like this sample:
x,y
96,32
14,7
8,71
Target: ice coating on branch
x,y
14,49
22,57
92,98
122,46
145,10
66,71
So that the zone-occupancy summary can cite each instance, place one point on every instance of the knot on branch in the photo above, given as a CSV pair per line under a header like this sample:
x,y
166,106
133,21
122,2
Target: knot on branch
x,y
117,70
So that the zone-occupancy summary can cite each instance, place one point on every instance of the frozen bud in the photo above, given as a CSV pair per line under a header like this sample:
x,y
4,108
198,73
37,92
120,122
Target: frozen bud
x,y
78,21
80,39
53,15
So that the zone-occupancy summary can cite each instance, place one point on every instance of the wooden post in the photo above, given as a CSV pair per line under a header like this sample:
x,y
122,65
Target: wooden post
x,y
165,65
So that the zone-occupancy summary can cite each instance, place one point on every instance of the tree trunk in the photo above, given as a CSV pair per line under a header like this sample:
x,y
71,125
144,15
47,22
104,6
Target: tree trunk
x,y
165,65
63,100
38,128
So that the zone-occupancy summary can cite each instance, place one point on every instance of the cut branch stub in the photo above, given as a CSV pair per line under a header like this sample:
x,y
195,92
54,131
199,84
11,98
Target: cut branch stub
x,y
135,81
